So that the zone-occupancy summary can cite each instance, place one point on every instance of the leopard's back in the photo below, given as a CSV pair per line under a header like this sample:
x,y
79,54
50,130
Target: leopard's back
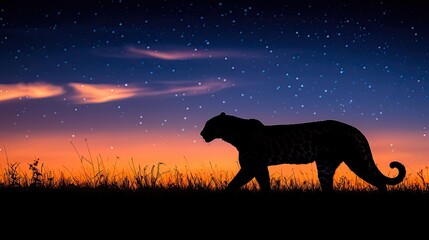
x,y
306,142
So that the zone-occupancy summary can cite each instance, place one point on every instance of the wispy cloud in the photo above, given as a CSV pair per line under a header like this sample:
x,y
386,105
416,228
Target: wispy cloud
x,y
90,93
29,90
85,93
184,88
180,53
100,93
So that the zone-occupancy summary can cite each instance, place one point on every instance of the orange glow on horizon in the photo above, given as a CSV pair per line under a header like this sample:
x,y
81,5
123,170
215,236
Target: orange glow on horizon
x,y
62,153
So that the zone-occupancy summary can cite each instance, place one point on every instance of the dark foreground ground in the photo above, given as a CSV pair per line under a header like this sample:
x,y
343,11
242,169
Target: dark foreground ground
x,y
217,215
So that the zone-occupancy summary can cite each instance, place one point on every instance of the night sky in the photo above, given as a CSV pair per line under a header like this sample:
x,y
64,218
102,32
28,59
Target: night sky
x,y
138,79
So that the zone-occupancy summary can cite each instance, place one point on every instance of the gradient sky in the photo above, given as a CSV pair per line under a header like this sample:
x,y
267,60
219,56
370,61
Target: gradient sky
x,y
122,80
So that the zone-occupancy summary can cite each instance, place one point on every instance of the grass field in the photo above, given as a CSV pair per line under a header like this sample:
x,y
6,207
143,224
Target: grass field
x,y
149,197
158,179
94,175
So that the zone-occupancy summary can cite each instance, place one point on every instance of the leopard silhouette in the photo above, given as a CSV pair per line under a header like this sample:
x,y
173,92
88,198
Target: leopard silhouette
x,y
327,143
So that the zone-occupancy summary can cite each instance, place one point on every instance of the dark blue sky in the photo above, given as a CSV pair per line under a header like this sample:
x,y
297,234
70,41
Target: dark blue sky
x,y
181,62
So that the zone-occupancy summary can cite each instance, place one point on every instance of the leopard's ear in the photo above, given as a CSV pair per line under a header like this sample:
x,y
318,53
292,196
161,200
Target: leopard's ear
x,y
222,114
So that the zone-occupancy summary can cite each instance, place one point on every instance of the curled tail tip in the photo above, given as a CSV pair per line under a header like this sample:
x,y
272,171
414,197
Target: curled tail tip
x,y
398,165
401,169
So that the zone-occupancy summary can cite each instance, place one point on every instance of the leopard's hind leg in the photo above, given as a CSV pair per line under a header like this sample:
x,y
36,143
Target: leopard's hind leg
x,y
367,170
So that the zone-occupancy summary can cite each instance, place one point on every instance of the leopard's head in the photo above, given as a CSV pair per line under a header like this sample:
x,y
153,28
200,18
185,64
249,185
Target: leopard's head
x,y
215,127
230,128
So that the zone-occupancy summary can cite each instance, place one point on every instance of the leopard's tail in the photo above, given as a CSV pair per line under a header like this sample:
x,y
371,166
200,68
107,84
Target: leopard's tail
x,y
401,173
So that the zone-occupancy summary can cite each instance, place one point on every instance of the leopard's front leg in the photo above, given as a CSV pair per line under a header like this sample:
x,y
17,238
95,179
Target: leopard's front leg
x,y
252,166
243,176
